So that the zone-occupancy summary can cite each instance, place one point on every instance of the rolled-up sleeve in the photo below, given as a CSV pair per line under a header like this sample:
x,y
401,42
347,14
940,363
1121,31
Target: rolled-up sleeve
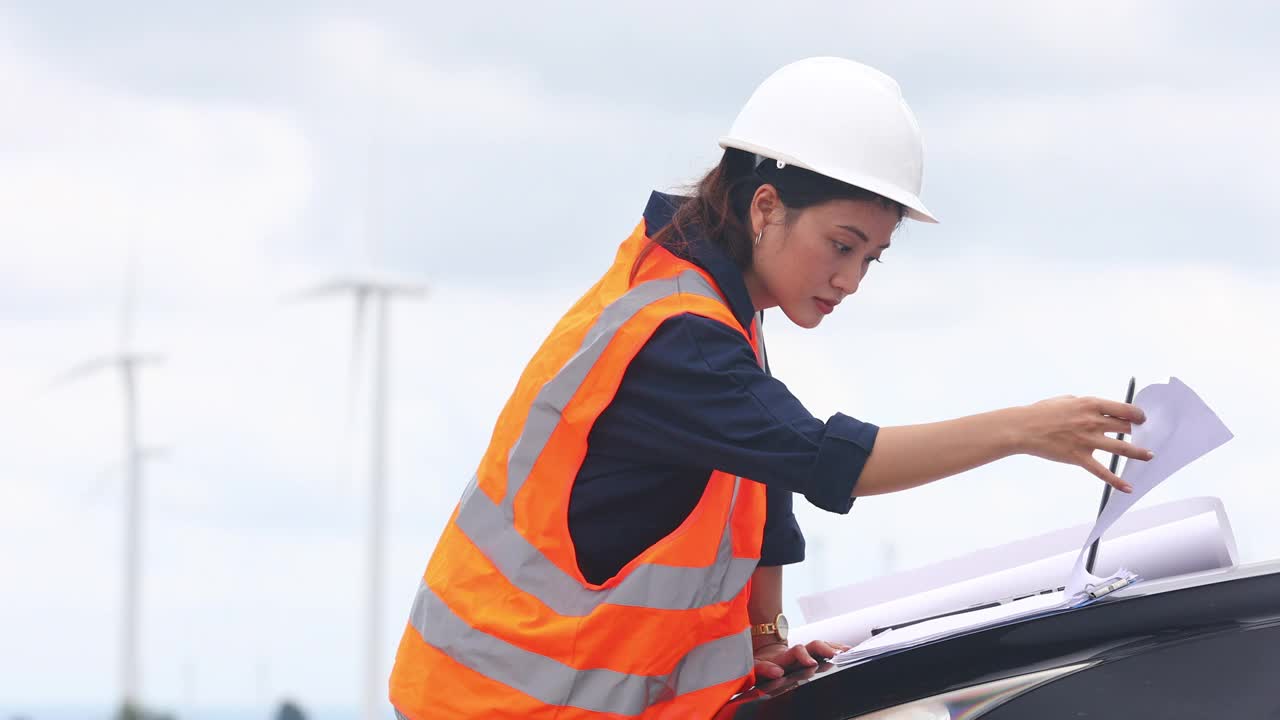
x,y
696,395
844,450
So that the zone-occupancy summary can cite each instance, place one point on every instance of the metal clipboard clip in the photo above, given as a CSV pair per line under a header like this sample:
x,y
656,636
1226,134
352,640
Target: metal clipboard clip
x,y
1097,591
1123,579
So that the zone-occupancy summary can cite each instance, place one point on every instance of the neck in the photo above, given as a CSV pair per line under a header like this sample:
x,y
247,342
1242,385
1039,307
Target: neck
x,y
760,298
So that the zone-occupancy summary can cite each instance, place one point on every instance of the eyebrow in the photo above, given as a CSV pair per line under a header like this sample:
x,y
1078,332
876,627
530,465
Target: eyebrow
x,y
861,234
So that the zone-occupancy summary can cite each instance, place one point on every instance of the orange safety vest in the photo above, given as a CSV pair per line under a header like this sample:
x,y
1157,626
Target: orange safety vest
x,y
505,625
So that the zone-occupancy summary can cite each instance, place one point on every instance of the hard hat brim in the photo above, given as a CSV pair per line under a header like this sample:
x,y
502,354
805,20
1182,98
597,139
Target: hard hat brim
x,y
915,209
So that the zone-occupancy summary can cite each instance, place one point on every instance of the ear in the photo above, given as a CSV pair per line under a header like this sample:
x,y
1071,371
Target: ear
x,y
766,208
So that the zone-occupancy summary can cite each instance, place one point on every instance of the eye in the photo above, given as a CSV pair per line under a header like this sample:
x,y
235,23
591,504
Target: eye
x,y
841,248
869,259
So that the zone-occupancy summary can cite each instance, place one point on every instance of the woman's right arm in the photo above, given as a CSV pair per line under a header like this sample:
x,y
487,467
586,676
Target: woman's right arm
x,y
703,401
1064,429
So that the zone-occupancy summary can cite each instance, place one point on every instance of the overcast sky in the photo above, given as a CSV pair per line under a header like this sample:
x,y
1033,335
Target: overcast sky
x,y
1106,174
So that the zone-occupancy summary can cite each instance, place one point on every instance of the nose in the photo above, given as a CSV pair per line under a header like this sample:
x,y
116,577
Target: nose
x,y
846,282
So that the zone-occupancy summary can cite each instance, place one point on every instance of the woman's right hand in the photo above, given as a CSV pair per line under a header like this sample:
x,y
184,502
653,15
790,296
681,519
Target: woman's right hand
x,y
1070,429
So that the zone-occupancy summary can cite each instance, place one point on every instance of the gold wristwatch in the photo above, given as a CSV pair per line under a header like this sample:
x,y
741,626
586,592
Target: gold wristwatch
x,y
778,628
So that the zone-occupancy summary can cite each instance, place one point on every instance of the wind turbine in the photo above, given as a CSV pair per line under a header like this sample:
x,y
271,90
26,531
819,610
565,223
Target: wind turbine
x,y
376,289
127,361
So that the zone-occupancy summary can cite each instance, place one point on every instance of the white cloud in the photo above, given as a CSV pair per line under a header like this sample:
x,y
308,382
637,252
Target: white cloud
x,y
199,188
407,91
1097,33
1136,146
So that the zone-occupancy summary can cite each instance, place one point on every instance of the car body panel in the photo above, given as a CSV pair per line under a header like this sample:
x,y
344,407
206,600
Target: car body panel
x,y
1180,644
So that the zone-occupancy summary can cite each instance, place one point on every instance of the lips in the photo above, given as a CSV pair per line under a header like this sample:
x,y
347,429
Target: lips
x,y
825,306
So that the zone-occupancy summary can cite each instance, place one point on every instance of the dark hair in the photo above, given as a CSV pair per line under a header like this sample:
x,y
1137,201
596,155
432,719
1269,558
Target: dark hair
x,y
719,202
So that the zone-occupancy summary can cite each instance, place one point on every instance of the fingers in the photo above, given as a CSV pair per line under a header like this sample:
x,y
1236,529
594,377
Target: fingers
x,y
766,670
1110,424
825,650
1106,475
1124,449
1124,411
798,656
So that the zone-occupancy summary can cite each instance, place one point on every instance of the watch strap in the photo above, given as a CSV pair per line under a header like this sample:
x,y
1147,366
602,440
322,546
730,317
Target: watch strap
x,y
764,629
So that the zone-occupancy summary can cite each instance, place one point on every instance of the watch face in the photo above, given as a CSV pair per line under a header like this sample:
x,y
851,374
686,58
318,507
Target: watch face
x,y
783,627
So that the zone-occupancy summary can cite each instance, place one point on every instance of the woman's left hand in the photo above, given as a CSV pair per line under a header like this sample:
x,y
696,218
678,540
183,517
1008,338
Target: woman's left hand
x,y
776,659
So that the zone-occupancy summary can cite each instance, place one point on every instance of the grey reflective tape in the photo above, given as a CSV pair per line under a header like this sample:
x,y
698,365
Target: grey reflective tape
x,y
759,328
554,683
544,414
663,587
489,526
399,715
672,587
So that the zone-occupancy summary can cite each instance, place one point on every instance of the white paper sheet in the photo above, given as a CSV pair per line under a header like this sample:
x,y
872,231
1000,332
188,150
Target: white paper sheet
x,y
1174,538
1179,429
951,624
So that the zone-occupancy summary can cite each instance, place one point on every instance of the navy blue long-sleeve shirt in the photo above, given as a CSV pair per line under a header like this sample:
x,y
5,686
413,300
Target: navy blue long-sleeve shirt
x,y
694,400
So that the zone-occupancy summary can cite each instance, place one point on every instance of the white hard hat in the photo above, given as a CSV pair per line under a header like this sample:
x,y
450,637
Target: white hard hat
x,y
840,119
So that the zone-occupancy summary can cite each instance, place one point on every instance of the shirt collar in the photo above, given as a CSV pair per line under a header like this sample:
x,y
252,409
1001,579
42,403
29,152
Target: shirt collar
x,y
723,270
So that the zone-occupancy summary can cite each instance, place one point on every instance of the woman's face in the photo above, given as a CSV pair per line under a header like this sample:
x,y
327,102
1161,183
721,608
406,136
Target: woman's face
x,y
809,260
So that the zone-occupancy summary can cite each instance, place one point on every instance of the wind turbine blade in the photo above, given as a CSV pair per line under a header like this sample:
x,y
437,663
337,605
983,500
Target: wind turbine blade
x,y
367,281
141,359
86,368
347,463
112,471
100,482
333,287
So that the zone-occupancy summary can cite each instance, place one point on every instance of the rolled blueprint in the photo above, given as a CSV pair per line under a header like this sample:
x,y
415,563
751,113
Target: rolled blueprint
x,y
1175,538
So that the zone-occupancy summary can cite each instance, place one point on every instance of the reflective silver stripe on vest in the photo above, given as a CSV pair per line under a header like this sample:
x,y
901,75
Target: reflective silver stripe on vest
x,y
554,683
490,527
544,414
649,585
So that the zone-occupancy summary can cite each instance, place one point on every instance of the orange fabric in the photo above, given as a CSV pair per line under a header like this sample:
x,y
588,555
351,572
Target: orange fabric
x,y
458,698
543,631
427,683
464,692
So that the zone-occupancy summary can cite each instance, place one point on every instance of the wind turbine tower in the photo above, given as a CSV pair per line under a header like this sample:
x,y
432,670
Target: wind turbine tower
x,y
369,288
127,361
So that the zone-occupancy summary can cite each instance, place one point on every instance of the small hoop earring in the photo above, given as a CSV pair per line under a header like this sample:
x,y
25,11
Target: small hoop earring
x,y
758,236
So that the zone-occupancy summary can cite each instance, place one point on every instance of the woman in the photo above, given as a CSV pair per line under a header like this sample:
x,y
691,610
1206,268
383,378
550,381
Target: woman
x,y
619,551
